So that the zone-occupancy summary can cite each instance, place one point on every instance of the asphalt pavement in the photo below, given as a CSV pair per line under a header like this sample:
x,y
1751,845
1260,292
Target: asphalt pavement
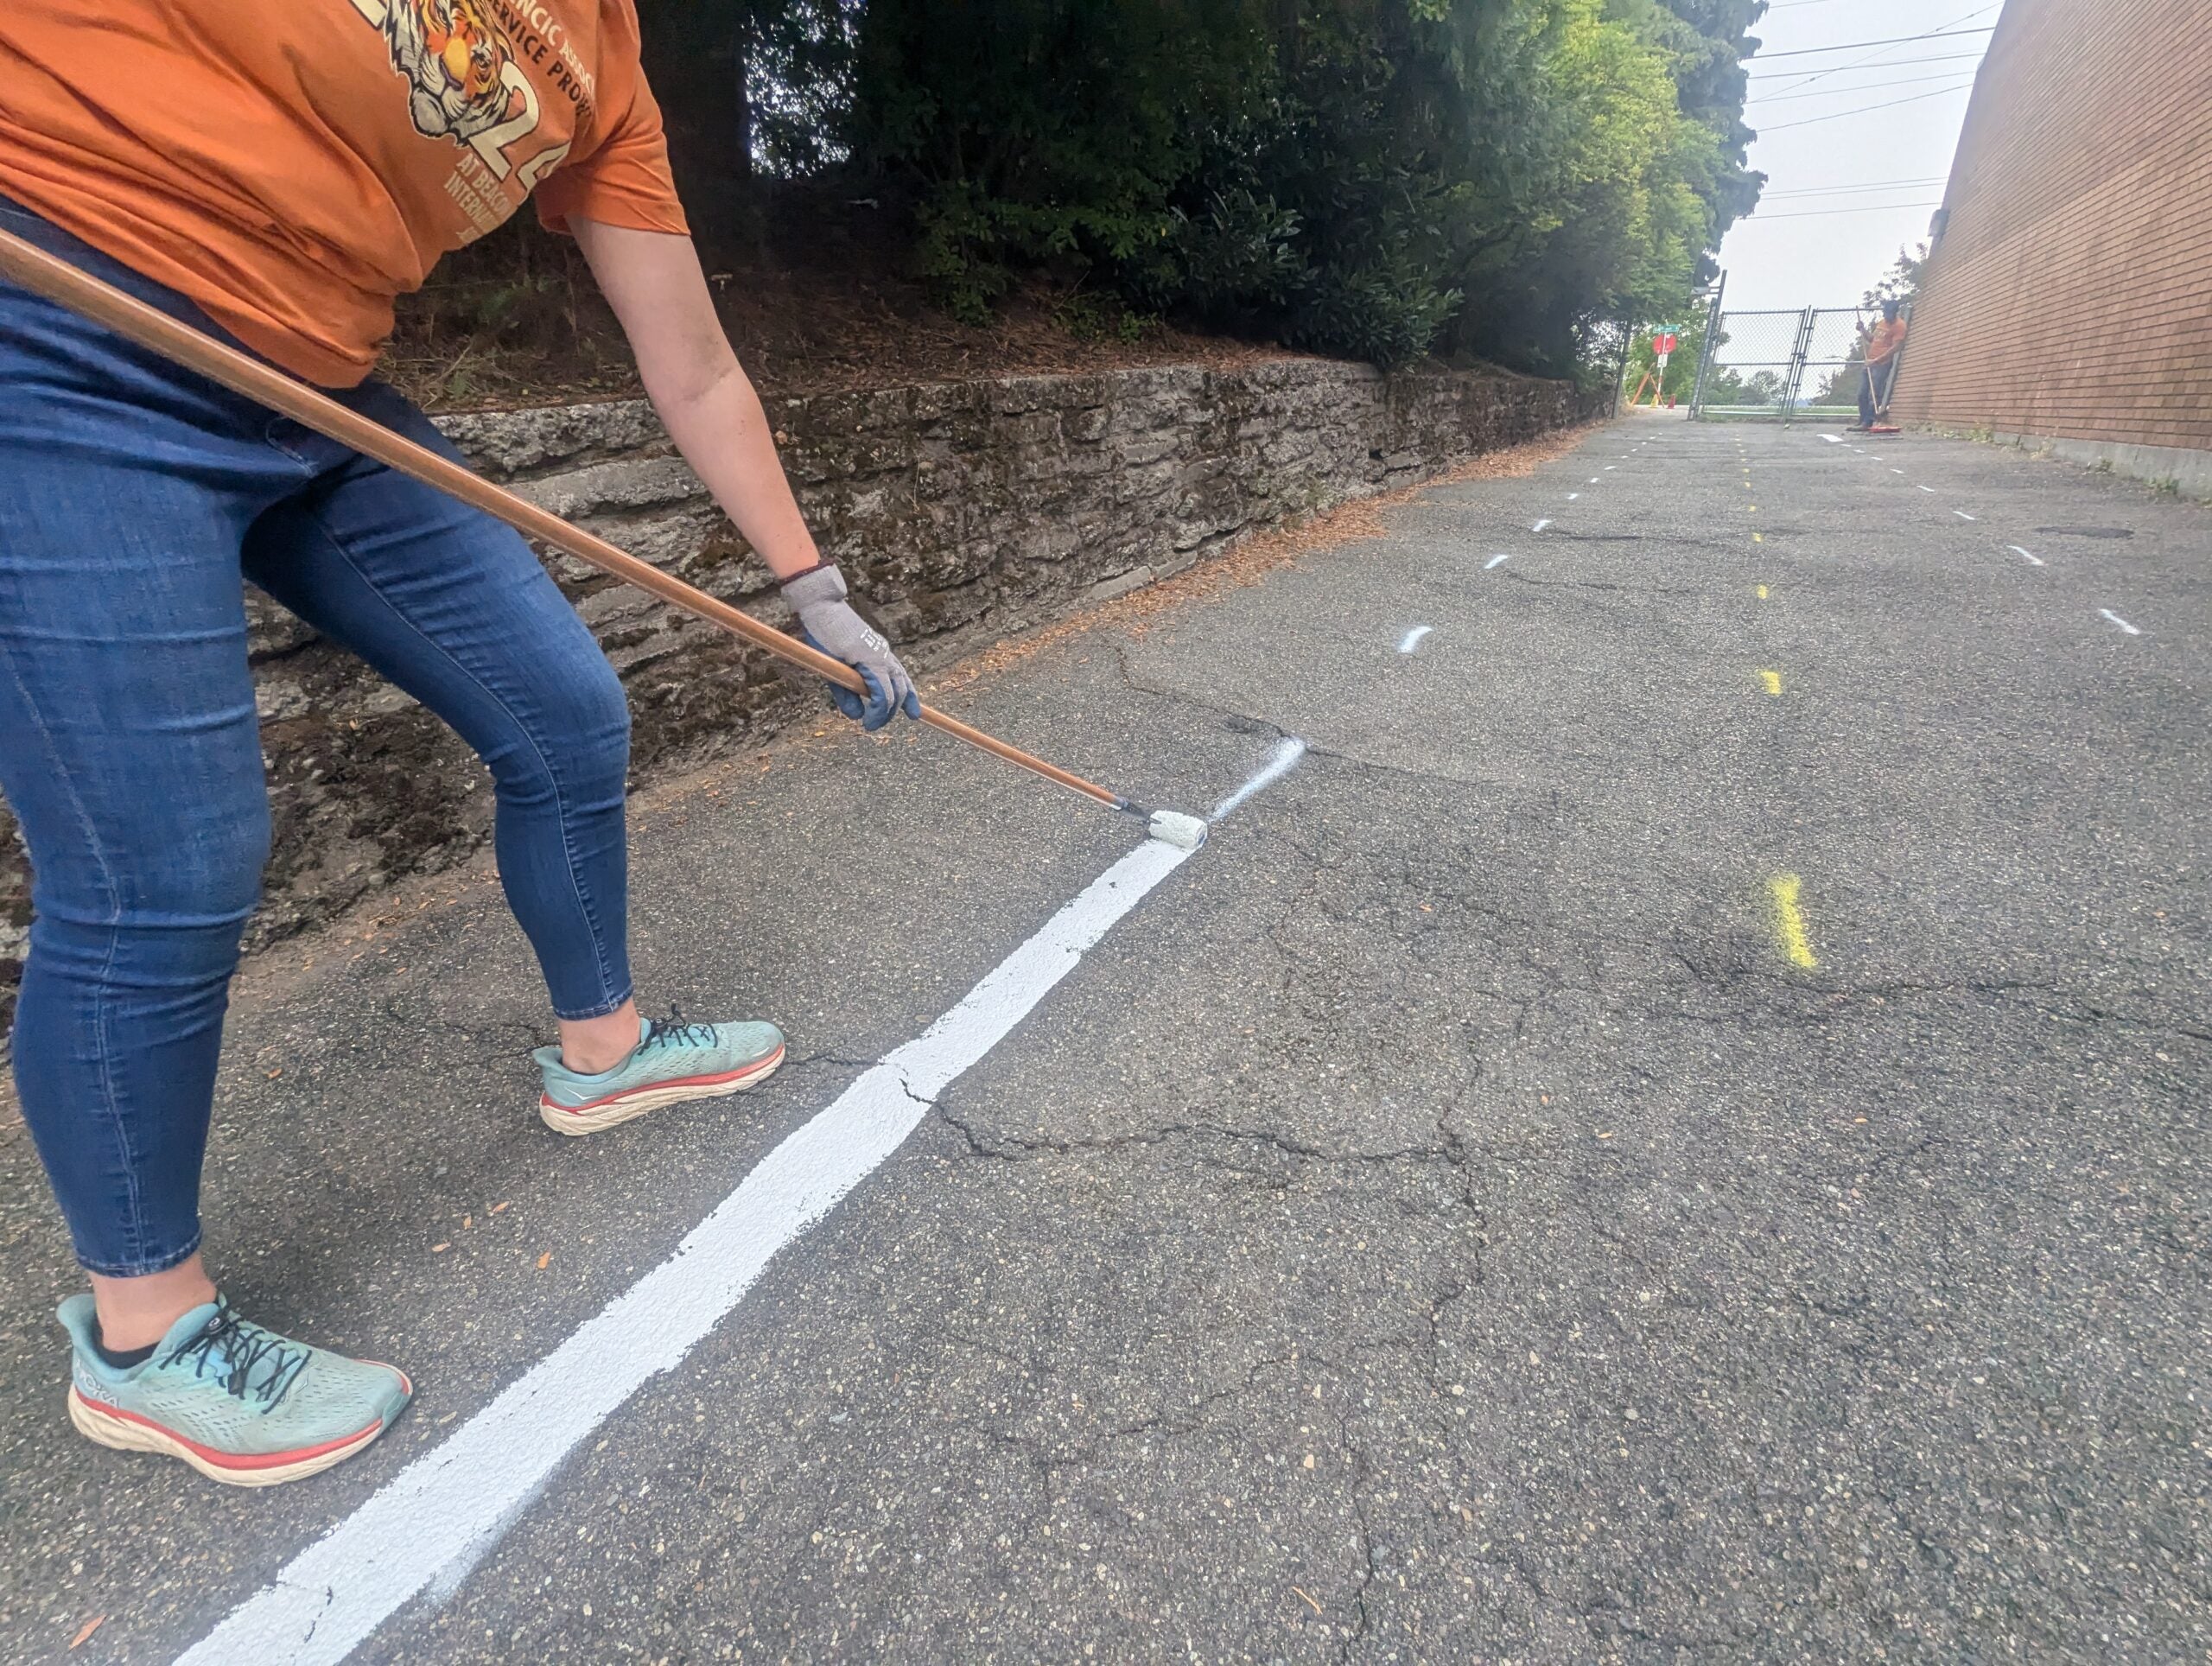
x,y
1671,1131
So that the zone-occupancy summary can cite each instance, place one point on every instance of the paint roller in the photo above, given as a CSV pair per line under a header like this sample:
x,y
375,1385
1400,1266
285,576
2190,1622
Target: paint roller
x,y
47,275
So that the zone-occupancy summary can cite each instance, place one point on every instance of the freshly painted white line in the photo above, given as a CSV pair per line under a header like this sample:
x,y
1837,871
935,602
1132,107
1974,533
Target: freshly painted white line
x,y
1833,439
1610,467
1962,515
1411,639
2032,561
1897,471
1594,479
1283,760
425,1528
1572,496
1930,490
1496,561
2118,620
1540,526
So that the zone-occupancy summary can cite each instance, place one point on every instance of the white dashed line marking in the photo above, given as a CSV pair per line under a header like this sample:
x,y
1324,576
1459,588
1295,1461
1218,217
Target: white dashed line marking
x,y
449,1506
1930,490
1831,439
1594,479
1411,639
2118,620
1572,496
2032,561
1962,515
1897,471
1496,561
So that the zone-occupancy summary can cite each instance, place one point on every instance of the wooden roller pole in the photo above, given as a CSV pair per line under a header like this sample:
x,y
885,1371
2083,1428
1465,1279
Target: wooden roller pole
x,y
26,263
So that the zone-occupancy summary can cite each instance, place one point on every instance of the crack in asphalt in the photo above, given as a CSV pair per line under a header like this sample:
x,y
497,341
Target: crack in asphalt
x,y
1452,1154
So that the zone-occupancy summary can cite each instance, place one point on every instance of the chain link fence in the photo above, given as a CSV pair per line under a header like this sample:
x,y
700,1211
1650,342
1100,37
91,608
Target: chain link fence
x,y
1782,365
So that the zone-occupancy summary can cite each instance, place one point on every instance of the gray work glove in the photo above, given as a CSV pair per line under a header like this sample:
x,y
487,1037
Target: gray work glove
x,y
828,622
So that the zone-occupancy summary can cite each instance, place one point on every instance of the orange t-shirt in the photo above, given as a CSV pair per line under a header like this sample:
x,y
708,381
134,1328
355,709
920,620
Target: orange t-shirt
x,y
1889,336
293,167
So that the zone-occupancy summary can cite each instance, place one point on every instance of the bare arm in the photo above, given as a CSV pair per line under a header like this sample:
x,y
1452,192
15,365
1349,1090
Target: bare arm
x,y
705,399
653,282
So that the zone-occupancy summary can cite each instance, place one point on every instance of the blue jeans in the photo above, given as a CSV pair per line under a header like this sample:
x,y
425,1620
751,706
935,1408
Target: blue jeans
x,y
134,496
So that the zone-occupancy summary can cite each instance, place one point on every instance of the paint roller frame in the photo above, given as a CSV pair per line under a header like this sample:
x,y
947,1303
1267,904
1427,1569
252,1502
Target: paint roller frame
x,y
49,275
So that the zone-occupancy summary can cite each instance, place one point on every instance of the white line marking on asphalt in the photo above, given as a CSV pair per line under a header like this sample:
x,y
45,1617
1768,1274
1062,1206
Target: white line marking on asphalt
x,y
2032,561
1572,496
1283,760
1930,490
1540,526
1411,639
1962,515
1897,471
1594,479
1610,467
1496,561
429,1523
2118,620
1833,439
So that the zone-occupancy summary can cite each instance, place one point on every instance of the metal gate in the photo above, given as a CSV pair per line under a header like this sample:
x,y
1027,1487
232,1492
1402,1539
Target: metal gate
x,y
1782,365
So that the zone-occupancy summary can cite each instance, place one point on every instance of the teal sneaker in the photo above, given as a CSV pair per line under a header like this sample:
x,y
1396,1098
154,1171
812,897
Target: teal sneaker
x,y
241,1405
672,1061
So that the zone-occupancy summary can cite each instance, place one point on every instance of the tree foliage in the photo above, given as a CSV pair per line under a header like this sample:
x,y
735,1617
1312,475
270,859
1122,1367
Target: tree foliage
x,y
1381,178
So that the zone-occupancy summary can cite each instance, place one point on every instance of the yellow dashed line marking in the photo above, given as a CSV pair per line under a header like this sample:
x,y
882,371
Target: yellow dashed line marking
x,y
1758,537
1773,681
1762,592
1790,923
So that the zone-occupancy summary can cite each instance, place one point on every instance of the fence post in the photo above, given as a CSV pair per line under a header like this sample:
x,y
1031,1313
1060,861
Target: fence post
x,y
1797,356
1712,344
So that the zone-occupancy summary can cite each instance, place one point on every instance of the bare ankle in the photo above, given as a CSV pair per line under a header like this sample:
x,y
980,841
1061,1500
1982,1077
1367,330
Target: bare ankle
x,y
136,1312
591,1046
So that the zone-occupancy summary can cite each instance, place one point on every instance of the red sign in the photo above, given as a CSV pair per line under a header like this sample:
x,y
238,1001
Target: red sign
x,y
1665,344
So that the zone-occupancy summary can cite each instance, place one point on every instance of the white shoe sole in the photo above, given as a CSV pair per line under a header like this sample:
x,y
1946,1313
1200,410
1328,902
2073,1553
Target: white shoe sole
x,y
124,1435
561,1120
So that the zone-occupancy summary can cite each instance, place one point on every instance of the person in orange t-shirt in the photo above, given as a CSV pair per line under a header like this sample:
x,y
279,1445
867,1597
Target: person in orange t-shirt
x,y
277,175
1882,350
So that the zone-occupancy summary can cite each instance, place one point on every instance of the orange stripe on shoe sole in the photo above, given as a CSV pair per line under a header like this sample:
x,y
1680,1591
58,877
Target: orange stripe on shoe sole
x,y
90,1414
760,1069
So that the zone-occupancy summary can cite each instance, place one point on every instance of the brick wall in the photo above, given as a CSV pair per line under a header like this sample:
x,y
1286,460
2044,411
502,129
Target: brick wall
x,y
2070,296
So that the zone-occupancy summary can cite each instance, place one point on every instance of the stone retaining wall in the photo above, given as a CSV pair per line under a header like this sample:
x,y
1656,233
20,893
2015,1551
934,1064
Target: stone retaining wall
x,y
962,511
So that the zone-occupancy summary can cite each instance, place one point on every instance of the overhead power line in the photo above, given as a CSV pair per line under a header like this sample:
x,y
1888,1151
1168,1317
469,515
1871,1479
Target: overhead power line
x,y
1845,92
1840,190
1816,213
1838,115
1894,41
1886,63
1881,51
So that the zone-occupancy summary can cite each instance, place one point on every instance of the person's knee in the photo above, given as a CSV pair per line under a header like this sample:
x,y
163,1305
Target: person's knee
x,y
209,883
172,909
580,725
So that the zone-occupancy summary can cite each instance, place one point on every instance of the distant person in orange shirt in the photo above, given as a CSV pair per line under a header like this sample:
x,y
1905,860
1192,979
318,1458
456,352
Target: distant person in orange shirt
x,y
1881,365
275,175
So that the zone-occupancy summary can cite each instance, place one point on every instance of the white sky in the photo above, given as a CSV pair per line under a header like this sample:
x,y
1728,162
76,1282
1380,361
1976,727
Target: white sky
x,y
1818,259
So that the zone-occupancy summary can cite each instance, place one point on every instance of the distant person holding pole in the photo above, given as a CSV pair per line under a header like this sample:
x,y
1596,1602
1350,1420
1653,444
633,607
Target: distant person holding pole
x,y
1882,350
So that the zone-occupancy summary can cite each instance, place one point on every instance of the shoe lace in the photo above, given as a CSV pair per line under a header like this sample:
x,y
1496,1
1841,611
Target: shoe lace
x,y
673,1031
242,1348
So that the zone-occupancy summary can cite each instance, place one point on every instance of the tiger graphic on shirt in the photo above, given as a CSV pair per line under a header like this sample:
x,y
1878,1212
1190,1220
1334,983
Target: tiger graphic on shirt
x,y
466,67
455,58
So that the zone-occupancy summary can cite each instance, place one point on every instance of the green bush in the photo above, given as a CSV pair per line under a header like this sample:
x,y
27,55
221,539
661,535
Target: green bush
x,y
1379,178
